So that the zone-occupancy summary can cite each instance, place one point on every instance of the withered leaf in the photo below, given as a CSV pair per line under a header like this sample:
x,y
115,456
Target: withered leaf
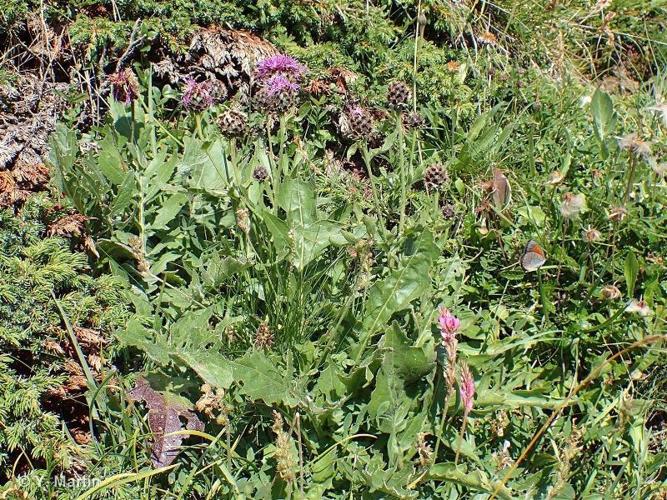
x,y
164,418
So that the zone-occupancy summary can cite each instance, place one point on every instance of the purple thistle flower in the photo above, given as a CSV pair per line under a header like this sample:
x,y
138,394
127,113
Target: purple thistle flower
x,y
467,388
198,96
280,64
280,84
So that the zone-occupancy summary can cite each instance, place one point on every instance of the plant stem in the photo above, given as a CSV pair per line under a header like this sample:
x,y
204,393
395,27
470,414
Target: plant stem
x,y
631,176
200,132
460,442
401,166
367,162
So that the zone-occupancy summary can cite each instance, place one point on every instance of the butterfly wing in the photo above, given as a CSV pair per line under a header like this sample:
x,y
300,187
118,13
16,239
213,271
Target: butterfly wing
x,y
501,189
533,256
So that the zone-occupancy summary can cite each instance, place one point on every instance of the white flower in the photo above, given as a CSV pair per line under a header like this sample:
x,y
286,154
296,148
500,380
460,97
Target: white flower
x,y
640,307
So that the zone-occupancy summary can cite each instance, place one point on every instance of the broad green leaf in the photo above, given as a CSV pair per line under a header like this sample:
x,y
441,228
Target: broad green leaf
x,y
402,286
160,265
604,117
110,161
262,379
212,367
329,383
216,269
279,233
311,240
476,480
126,192
631,271
298,200
400,358
137,335
206,165
169,209
323,469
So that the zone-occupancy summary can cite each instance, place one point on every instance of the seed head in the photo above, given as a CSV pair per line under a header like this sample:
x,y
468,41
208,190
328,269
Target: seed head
x,y
413,121
448,211
610,292
264,336
591,235
467,388
635,145
260,173
124,86
243,220
435,177
360,123
572,205
285,460
398,95
617,214
233,123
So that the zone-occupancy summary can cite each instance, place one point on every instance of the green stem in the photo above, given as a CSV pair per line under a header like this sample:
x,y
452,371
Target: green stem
x,y
401,166
631,176
443,418
198,127
367,162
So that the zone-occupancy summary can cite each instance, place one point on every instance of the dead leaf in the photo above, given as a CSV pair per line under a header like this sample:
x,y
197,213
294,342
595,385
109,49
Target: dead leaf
x,y
163,419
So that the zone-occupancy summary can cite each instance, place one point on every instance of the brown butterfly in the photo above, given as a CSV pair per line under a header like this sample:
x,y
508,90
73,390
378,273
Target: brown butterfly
x,y
533,256
502,191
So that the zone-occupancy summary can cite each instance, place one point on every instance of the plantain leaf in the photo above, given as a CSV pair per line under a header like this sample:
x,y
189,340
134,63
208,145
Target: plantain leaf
x,y
631,271
604,117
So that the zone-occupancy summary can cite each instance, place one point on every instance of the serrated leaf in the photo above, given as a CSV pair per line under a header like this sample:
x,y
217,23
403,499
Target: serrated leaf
x,y
476,480
137,335
212,367
262,380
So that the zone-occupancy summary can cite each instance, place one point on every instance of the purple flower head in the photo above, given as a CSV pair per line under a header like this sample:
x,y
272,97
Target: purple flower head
x,y
467,388
280,64
357,111
198,96
280,84
449,324
124,86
